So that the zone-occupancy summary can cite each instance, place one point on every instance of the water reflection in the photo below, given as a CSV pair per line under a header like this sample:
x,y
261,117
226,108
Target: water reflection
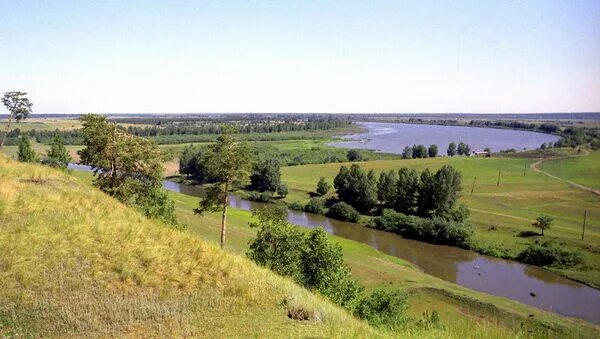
x,y
486,274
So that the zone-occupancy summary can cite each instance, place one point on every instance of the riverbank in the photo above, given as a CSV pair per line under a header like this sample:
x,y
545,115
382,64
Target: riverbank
x,y
502,213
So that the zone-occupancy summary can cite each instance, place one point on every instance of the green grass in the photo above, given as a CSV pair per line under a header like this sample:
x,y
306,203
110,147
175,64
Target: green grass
x,y
75,262
510,207
582,170
45,124
78,263
464,312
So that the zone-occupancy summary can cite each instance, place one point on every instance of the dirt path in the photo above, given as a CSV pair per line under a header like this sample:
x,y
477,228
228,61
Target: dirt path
x,y
499,214
535,167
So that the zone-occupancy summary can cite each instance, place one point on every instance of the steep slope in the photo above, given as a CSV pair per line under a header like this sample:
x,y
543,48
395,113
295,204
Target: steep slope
x,y
74,261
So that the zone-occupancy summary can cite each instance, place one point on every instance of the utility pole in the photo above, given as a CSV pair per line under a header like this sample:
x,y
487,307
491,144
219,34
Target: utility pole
x,y
583,230
473,187
498,183
525,169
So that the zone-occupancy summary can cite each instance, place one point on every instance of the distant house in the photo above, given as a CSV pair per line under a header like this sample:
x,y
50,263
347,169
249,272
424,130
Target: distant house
x,y
480,154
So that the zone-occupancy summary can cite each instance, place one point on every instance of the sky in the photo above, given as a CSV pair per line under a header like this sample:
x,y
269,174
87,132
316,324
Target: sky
x,y
302,56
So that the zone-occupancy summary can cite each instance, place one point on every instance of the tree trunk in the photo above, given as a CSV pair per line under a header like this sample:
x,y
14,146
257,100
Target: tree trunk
x,y
5,132
224,217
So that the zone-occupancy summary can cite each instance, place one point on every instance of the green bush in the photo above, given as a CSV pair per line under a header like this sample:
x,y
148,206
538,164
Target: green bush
x,y
434,230
383,308
344,212
549,254
259,196
295,205
315,205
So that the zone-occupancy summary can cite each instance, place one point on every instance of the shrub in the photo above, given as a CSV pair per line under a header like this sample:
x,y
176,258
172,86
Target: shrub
x,y
344,212
383,308
315,205
435,230
282,190
295,205
259,196
323,187
354,155
548,254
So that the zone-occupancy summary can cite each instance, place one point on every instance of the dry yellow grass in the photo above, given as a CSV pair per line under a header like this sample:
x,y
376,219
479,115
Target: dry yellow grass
x,y
76,262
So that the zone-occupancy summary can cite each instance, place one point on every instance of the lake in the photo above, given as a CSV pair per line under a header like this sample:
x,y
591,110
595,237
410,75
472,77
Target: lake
x,y
393,137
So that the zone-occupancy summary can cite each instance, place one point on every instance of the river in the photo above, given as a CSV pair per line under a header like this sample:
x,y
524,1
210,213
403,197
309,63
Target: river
x,y
524,283
393,137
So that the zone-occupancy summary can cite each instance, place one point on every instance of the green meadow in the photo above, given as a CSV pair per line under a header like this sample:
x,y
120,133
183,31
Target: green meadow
x,y
502,208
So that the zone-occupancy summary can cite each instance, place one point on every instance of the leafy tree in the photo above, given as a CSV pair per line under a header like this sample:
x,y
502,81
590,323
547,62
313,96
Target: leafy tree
x,y
419,151
386,188
315,205
26,153
433,151
487,150
354,155
57,155
439,192
407,190
227,161
344,212
467,150
324,270
266,175
282,190
190,164
543,222
356,187
323,187
18,107
451,149
407,153
278,245
126,167
461,148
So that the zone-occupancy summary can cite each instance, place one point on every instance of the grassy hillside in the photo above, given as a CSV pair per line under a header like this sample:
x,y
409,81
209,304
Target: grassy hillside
x,y
464,313
501,212
582,170
74,261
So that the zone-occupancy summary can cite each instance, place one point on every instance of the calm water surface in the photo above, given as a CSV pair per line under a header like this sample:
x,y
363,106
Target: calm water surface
x,y
466,268
393,137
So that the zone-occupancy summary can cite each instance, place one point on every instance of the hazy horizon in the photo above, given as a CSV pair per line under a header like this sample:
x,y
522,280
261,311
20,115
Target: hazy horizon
x,y
297,57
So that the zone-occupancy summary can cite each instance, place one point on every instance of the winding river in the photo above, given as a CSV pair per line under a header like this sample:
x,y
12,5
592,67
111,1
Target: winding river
x,y
393,137
491,275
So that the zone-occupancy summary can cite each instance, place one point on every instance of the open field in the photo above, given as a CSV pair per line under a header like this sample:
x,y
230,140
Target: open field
x,y
46,124
464,313
582,170
501,212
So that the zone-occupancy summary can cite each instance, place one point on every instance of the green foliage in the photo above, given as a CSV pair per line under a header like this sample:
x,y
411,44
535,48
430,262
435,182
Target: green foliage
x,y
420,151
278,245
438,193
435,230
383,309
543,222
463,149
549,254
282,190
407,153
354,155
451,149
266,175
356,187
191,163
429,320
324,270
315,205
433,151
126,167
296,205
323,187
26,153
344,212
387,188
57,156
259,196
407,190
18,107
311,260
